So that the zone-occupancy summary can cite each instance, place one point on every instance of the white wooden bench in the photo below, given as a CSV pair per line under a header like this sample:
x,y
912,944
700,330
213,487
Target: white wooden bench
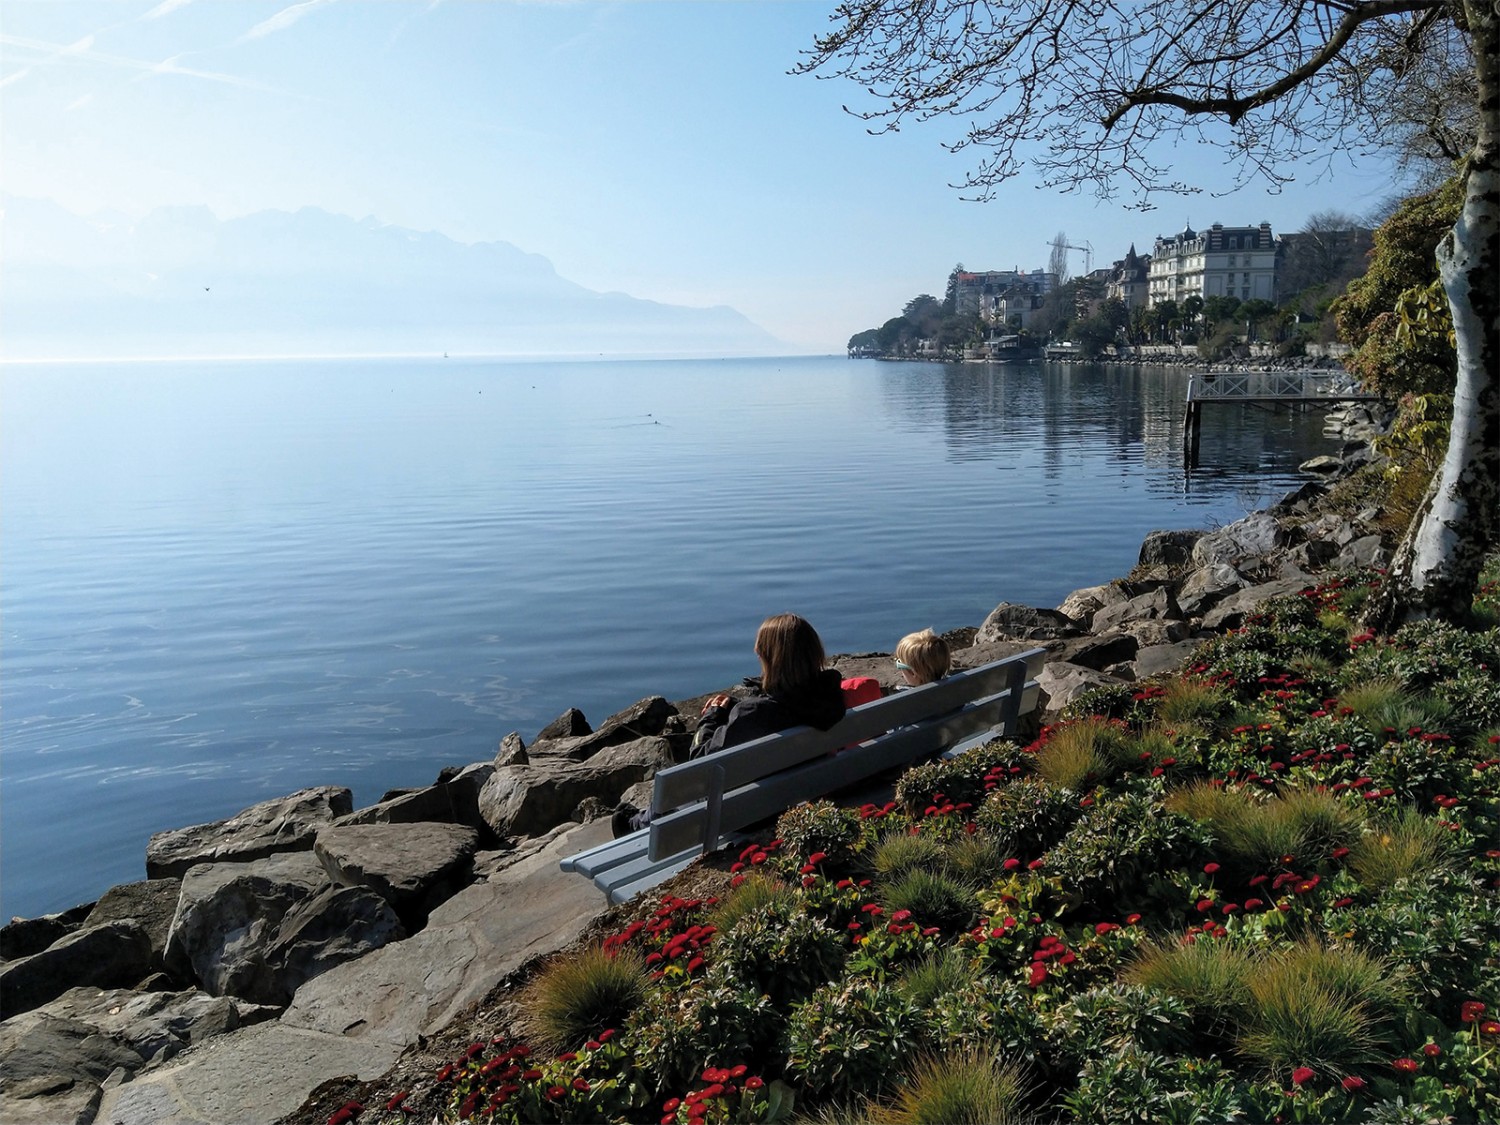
x,y
699,805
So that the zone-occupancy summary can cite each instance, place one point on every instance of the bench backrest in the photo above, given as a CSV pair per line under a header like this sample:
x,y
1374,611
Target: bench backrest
x,y
694,804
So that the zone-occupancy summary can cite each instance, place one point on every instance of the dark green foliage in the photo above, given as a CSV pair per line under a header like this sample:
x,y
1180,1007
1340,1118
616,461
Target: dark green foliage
x,y
1139,1087
1028,816
1121,848
822,826
852,1037
780,952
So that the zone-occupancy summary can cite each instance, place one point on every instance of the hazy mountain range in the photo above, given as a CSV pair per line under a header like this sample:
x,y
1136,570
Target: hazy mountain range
x,y
182,282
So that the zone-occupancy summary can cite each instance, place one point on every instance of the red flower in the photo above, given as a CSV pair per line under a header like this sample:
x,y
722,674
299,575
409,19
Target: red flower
x,y
1038,973
1490,1027
1469,1010
1432,1050
1303,1075
1406,1066
754,1083
1011,864
581,1084
1210,868
1132,919
1353,1082
817,857
671,1104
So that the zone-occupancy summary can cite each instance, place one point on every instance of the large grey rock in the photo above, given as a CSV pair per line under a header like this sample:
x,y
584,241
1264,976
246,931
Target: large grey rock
x,y
1156,605
117,954
1312,555
1365,551
1207,586
570,724
412,866
1023,622
1160,632
1168,548
151,904
1231,613
51,1068
512,751
1097,652
336,925
452,799
1081,605
24,936
228,913
1062,683
645,719
86,1034
1153,660
1253,537
286,824
535,798
1323,464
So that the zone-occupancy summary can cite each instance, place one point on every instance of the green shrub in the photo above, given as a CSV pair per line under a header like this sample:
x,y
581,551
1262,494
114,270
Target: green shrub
x,y
1438,659
1258,834
959,779
822,826
1441,926
962,1088
1120,848
851,1037
576,997
675,1030
780,952
1114,1017
1027,817
1138,1087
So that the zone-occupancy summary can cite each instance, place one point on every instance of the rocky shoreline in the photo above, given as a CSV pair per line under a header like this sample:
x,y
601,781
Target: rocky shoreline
x,y
303,939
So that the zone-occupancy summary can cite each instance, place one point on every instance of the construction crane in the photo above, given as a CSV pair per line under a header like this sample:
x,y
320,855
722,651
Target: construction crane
x,y
1088,254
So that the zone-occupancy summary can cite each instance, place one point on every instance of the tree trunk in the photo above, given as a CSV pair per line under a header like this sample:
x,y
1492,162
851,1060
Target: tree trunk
x,y
1436,569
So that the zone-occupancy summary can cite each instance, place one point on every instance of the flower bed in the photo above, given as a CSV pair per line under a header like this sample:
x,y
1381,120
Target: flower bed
x,y
1265,890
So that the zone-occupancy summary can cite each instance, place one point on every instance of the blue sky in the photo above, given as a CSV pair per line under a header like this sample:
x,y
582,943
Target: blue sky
x,y
654,147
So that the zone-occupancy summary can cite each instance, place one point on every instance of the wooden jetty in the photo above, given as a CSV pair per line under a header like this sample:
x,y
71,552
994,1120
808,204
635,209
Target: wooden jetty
x,y
1320,390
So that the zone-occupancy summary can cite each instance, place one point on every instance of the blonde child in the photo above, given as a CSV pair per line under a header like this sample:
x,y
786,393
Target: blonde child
x,y
922,658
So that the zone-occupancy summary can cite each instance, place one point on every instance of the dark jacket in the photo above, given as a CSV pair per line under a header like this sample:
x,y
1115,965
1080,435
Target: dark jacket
x,y
817,704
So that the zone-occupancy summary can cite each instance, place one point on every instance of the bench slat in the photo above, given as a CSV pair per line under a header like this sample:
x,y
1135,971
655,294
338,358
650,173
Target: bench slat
x,y
624,892
609,854
641,867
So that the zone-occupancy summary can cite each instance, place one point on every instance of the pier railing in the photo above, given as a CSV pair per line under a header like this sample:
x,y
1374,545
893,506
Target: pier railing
x,y
1277,386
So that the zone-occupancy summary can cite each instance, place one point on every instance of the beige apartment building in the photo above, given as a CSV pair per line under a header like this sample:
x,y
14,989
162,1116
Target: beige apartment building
x,y
1218,262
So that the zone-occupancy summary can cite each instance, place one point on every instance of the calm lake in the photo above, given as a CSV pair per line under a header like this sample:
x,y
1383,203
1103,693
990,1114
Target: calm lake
x,y
223,581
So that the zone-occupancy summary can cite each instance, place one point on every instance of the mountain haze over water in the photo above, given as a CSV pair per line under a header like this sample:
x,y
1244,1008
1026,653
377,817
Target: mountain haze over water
x,y
180,281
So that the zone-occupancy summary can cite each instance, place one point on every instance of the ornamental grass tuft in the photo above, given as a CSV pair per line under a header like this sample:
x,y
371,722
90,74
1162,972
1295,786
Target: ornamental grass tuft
x,y
1211,977
1080,753
1191,700
969,1088
1328,1009
751,898
944,973
976,859
575,998
1383,704
934,899
1399,847
898,853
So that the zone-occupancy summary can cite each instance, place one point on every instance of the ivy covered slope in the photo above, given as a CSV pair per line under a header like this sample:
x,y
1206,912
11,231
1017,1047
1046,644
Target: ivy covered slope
x,y
1264,890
